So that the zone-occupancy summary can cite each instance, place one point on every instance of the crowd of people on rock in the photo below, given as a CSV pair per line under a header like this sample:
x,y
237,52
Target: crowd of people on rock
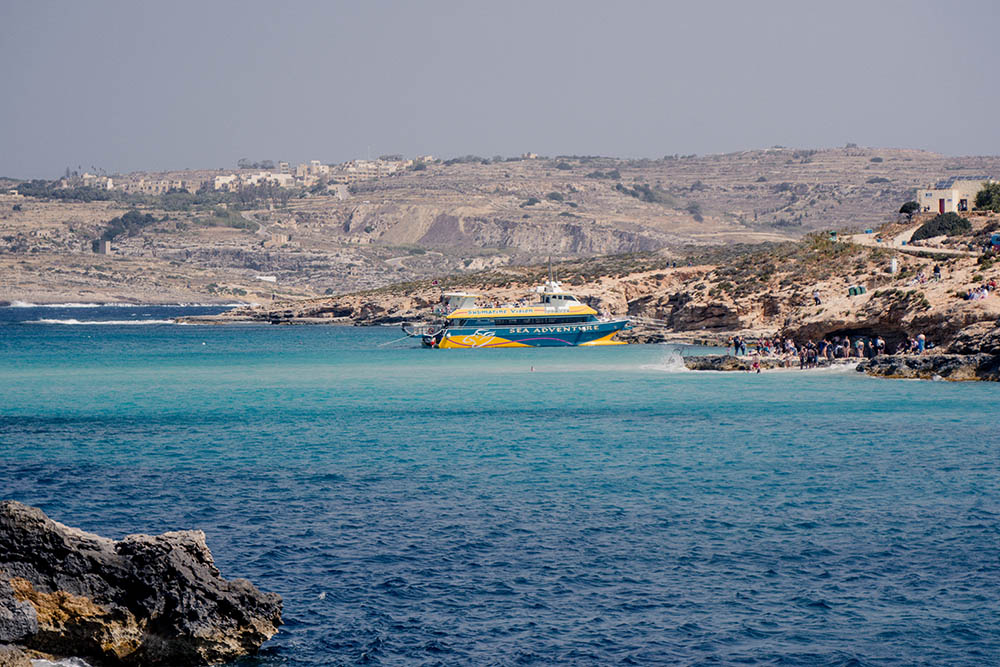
x,y
810,353
981,292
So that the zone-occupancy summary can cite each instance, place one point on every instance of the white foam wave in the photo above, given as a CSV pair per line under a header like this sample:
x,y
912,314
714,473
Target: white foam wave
x,y
66,662
672,360
26,304
88,322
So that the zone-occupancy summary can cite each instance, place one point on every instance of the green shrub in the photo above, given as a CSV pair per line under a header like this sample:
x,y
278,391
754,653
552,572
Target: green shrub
x,y
554,196
694,208
988,199
611,173
948,224
645,193
129,224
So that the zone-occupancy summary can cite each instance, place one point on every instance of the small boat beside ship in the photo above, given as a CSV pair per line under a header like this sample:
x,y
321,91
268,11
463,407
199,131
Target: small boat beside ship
x,y
557,319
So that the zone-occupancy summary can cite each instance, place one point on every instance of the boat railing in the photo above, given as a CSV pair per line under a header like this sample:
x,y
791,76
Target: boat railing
x,y
421,329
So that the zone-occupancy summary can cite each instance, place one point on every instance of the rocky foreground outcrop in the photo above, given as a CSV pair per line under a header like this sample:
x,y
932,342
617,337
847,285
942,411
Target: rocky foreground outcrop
x,y
956,367
142,600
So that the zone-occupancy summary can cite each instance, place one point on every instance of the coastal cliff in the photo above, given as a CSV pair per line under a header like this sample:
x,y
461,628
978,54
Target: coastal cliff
x,y
142,600
819,287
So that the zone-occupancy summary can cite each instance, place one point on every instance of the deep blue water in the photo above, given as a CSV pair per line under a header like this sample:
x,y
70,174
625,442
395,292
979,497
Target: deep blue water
x,y
420,506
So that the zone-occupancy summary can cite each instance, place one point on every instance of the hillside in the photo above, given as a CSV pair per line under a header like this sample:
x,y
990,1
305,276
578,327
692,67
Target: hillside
x,y
760,290
455,217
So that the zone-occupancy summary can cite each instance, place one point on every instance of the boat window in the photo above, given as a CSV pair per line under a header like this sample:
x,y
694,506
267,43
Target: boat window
x,y
534,321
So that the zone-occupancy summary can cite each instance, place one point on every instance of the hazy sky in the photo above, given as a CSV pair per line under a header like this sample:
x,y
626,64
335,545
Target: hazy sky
x,y
171,85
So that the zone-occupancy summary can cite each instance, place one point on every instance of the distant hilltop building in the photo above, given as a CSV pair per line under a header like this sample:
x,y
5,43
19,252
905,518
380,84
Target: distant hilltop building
x,y
94,181
953,195
305,175
140,184
366,170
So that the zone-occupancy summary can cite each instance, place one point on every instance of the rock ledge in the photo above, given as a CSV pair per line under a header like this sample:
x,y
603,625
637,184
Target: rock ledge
x,y
955,367
142,600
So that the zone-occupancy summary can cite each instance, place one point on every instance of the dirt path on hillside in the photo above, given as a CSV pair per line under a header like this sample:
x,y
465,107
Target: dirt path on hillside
x,y
897,243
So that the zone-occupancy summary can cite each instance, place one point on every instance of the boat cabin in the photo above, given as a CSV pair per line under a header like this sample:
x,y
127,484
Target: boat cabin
x,y
559,299
458,300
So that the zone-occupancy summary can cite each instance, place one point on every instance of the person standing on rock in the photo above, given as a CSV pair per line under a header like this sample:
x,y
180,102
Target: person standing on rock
x,y
921,344
816,298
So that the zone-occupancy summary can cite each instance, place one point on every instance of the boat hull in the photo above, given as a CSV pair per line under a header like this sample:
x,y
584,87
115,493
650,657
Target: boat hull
x,y
585,334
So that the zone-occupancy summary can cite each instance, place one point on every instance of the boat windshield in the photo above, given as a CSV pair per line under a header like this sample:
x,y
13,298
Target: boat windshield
x,y
559,299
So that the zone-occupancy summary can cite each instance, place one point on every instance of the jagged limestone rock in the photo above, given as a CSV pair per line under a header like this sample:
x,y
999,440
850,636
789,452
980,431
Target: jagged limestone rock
x,y
143,600
956,367
979,338
17,619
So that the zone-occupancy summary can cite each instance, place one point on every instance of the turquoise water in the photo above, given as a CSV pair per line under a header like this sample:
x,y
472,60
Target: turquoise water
x,y
457,507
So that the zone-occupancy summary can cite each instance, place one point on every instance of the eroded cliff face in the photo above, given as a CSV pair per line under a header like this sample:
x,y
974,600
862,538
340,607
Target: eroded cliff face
x,y
142,600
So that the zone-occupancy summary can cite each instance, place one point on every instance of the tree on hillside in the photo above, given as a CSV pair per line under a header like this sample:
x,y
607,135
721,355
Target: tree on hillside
x,y
948,224
694,208
130,224
988,199
908,209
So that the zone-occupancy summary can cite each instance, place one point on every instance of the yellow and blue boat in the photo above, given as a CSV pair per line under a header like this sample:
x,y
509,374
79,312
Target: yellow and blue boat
x,y
558,319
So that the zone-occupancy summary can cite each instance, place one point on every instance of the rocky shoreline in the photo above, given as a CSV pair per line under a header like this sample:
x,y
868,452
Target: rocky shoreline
x,y
952,367
726,362
141,600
